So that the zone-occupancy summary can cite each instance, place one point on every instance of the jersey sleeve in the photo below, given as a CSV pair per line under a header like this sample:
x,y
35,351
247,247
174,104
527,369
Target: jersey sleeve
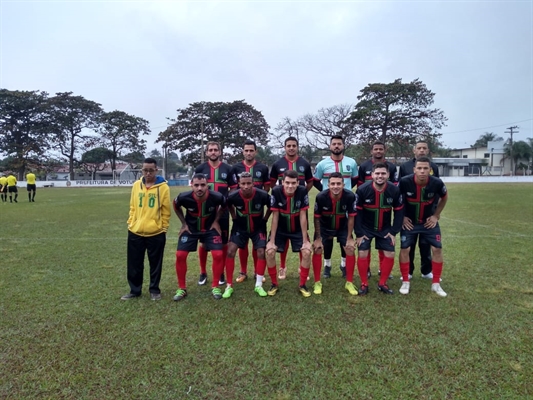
x,y
308,173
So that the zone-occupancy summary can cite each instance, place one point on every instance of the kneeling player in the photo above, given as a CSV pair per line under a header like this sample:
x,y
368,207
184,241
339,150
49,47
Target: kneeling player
x,y
246,207
289,204
421,192
334,217
204,208
375,201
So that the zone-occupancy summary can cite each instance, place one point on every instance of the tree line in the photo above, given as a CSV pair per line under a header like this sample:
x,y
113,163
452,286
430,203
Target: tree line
x,y
40,131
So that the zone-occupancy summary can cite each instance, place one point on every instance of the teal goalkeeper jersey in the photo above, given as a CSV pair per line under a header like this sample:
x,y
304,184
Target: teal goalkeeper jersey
x,y
346,166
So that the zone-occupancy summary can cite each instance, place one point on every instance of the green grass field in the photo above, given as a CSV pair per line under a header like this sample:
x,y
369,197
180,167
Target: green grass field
x,y
65,334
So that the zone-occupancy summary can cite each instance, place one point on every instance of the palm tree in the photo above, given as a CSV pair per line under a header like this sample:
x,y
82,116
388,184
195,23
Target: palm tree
x,y
484,139
520,151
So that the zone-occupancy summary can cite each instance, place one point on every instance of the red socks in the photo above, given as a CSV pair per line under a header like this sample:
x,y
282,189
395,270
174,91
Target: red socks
x,y
230,267
304,273
181,268
260,267
317,266
218,265
273,275
404,270
350,268
243,260
362,267
436,268
386,268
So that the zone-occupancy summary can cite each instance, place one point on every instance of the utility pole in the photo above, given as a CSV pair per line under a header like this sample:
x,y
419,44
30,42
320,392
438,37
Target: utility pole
x,y
511,130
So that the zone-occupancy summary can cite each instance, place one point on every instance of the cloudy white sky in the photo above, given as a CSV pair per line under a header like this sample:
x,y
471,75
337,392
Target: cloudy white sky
x,y
285,58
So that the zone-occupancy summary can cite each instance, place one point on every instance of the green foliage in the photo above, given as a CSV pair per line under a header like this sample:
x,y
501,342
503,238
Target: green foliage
x,y
484,139
24,127
229,123
66,335
394,112
519,151
121,132
71,118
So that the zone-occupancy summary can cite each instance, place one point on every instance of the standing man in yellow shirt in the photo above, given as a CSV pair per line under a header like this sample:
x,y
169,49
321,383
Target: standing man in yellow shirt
x,y
3,188
30,185
147,229
12,187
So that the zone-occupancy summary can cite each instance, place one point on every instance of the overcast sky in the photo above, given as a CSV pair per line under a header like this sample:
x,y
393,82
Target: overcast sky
x,y
285,58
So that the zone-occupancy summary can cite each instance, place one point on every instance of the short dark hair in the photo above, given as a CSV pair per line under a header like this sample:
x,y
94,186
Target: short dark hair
x,y
378,143
249,142
291,139
212,144
336,137
336,175
290,173
423,159
150,160
244,174
198,176
422,141
379,165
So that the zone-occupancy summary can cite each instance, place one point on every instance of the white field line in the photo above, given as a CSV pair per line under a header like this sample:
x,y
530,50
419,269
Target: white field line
x,y
510,233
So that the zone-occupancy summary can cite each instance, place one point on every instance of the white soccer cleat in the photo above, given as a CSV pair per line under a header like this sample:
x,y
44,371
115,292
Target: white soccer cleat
x,y
405,287
435,287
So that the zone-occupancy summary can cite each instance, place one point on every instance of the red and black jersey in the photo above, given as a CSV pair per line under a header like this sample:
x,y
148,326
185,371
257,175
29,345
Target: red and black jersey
x,y
258,170
249,212
219,179
289,208
365,172
334,213
421,201
200,215
299,165
374,209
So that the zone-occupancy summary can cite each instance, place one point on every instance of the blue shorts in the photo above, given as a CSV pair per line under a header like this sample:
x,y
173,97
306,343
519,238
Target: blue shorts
x,y
189,241
382,243
296,239
328,234
241,239
427,236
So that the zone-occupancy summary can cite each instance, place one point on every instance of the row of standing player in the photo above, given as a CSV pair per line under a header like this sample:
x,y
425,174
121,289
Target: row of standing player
x,y
221,176
8,185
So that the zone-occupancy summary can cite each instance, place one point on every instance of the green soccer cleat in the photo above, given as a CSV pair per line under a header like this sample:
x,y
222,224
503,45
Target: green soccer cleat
x,y
351,288
217,293
180,295
227,293
260,291
317,288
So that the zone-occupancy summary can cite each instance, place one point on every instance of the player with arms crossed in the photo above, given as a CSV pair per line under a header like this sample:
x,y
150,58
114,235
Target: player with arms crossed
x,y
337,162
334,217
289,204
218,176
246,207
204,209
375,202
425,197
291,161
261,180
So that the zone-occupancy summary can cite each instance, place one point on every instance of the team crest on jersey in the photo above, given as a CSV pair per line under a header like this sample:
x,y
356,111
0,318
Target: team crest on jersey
x,y
343,207
258,174
298,204
410,194
430,195
190,209
211,209
281,169
258,206
224,175
389,200
239,207
184,239
347,168
301,169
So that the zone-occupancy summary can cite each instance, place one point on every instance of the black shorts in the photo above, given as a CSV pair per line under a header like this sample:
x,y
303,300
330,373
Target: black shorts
x,y
12,189
189,241
427,236
296,239
382,243
328,234
31,187
224,227
241,239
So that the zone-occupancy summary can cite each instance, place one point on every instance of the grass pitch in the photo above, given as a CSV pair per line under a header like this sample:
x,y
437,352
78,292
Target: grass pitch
x,y
65,334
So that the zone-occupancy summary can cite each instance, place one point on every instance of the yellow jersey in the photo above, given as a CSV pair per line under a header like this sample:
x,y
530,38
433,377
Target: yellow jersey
x,y
30,178
11,180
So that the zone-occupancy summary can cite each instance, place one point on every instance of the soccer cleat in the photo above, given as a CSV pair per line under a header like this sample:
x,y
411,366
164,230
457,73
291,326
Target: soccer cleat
x,y
363,290
410,276
202,280
282,273
155,296
429,276
385,289
222,280
180,295
273,290
343,271
317,288
227,293
351,288
241,278
327,272
260,291
304,291
217,293
129,296
406,285
435,287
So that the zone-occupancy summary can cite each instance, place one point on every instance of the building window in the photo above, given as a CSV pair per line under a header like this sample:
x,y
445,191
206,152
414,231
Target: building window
x,y
465,156
486,155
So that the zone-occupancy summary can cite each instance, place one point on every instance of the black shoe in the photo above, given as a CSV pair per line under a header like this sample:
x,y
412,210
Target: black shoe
x,y
327,272
363,290
222,280
343,271
202,280
385,289
129,296
155,296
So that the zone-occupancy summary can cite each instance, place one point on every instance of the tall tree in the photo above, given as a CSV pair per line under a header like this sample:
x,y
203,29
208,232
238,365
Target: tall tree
x,y
229,123
94,160
23,127
393,112
121,132
521,151
484,139
73,117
